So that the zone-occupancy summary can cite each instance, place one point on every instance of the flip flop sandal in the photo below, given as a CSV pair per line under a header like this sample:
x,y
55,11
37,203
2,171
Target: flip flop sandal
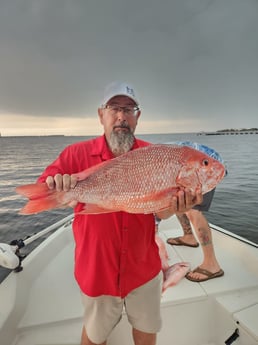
x,y
209,275
179,242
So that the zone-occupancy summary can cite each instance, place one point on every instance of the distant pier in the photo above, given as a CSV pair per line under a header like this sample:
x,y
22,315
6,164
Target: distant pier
x,y
231,132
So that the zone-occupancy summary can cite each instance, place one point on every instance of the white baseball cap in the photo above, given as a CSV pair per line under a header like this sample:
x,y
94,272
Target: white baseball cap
x,y
119,89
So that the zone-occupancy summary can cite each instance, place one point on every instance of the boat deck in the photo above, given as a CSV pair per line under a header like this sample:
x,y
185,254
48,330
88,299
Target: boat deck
x,y
49,310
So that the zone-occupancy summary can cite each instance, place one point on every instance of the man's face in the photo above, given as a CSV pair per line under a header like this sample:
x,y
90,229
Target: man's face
x,y
119,119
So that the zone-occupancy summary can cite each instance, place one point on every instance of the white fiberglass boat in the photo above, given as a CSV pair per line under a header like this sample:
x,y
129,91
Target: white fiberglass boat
x,y
41,304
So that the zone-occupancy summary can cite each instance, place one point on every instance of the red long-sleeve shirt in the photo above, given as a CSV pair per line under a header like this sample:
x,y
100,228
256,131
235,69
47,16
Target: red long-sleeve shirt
x,y
114,252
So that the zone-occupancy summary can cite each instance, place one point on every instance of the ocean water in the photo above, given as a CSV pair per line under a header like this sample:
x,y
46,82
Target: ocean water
x,y
234,207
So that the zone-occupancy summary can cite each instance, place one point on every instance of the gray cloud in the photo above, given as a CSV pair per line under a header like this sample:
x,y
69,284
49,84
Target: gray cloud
x,y
194,57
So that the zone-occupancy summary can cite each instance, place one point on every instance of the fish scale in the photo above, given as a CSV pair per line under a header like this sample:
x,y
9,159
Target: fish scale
x,y
140,181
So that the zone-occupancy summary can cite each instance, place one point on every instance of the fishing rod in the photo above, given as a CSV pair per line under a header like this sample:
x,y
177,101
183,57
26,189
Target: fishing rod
x,y
10,256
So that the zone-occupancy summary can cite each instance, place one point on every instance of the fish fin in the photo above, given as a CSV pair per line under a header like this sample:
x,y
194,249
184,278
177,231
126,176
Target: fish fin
x,y
174,274
41,198
33,191
40,205
164,194
95,209
168,193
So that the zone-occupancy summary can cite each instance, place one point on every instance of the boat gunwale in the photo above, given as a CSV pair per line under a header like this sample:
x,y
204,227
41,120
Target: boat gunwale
x,y
231,234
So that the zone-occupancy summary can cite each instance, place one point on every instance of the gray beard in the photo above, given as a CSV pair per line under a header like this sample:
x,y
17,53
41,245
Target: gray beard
x,y
121,142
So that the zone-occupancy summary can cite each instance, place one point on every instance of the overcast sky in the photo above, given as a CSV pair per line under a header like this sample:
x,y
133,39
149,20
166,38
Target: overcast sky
x,y
194,63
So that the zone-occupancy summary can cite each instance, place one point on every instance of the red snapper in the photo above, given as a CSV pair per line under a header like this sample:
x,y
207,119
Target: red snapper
x,y
140,181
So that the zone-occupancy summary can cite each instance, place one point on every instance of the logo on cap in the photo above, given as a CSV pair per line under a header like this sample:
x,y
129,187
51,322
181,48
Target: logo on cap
x,y
119,89
130,91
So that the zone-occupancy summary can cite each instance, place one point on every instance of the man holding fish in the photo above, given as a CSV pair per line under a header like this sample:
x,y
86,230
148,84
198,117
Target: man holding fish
x,y
117,263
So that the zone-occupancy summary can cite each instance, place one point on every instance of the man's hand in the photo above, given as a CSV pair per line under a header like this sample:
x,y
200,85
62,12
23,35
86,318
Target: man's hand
x,y
186,200
62,183
181,203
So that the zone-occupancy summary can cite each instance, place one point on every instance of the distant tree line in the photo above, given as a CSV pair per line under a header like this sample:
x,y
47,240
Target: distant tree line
x,y
239,130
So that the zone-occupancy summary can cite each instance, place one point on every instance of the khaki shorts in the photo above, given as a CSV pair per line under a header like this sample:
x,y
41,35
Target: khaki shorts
x,y
142,307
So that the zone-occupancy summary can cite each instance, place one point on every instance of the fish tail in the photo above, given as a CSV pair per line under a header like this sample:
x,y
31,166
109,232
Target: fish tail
x,y
41,198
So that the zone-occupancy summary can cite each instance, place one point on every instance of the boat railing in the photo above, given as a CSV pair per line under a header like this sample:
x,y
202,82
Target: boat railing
x,y
231,234
63,222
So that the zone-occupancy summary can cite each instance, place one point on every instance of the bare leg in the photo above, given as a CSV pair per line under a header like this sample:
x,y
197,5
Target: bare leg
x,y
86,341
142,338
188,236
184,221
203,233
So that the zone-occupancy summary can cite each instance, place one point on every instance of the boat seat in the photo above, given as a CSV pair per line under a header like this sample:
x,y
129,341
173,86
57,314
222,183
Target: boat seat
x,y
243,306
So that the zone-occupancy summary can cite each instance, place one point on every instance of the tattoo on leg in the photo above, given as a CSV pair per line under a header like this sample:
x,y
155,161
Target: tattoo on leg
x,y
204,237
185,223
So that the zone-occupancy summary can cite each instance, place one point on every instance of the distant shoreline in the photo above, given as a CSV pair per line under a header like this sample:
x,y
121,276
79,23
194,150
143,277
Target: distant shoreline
x,y
231,132
219,132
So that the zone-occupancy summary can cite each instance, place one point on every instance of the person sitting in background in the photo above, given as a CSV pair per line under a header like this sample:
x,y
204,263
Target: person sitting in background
x,y
210,267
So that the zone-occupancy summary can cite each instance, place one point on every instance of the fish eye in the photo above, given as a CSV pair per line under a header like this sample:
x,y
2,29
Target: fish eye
x,y
205,162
